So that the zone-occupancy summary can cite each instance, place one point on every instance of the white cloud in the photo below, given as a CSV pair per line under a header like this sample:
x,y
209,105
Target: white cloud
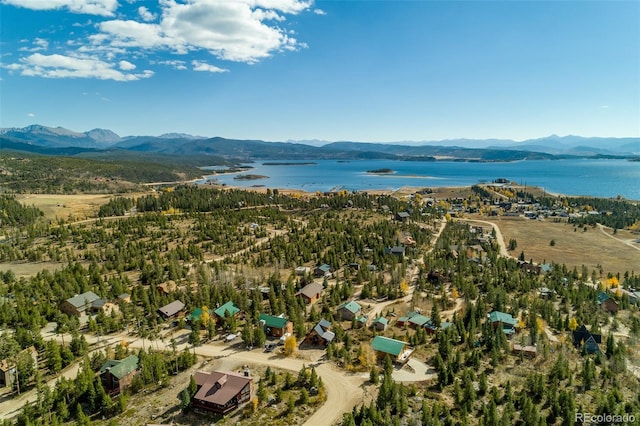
x,y
89,7
319,12
175,64
31,114
126,66
38,44
230,30
145,14
604,106
61,66
203,66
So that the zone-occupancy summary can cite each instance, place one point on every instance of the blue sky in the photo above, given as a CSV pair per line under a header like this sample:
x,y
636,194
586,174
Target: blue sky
x,y
331,70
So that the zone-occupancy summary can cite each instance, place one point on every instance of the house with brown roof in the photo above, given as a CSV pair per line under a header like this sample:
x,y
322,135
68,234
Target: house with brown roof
x,y
311,293
221,391
172,310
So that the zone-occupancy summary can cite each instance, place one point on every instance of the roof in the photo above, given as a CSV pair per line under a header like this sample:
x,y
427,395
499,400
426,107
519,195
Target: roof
x,y
83,300
172,308
351,306
273,321
582,335
388,346
321,330
310,290
403,214
227,307
219,387
120,368
324,268
497,316
602,297
381,320
419,320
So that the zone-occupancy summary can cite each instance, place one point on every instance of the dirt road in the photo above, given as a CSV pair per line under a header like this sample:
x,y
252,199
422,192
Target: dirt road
x,y
499,238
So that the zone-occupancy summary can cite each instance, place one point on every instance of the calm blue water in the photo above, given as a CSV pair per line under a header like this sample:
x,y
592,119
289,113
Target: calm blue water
x,y
601,178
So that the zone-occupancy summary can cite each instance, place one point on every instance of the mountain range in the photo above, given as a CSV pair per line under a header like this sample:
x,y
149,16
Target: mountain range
x,y
60,141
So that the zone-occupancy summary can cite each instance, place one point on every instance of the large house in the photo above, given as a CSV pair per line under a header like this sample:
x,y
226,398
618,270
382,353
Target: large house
x,y
505,321
275,326
397,350
172,310
221,391
117,375
321,334
584,340
79,304
311,293
227,309
349,310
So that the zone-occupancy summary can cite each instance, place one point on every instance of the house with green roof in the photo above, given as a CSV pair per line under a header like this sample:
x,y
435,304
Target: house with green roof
x,y
117,375
418,320
275,326
504,321
607,303
397,350
349,310
380,323
227,309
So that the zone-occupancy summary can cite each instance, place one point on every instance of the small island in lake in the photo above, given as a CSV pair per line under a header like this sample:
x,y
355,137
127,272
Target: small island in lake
x,y
383,171
250,177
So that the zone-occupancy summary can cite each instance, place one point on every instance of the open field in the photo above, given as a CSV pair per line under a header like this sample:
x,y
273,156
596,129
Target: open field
x,y
79,206
590,248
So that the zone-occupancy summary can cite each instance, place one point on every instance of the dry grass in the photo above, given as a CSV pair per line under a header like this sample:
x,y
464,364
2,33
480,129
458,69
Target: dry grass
x,y
63,206
572,248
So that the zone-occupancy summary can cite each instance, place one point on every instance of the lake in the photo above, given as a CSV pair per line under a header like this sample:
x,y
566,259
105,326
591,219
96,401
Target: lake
x,y
600,178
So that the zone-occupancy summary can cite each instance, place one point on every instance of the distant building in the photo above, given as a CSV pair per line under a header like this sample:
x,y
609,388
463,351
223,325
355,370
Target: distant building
x,y
323,270
584,340
380,324
321,334
311,293
275,326
221,391
228,308
397,350
606,303
402,216
505,321
8,366
172,310
117,375
528,351
80,304
349,310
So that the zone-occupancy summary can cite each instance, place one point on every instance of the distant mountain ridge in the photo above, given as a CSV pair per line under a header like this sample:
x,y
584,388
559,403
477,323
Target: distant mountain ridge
x,y
61,141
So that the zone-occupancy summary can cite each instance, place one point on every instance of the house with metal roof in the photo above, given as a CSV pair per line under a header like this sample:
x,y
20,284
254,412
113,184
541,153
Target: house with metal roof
x,y
320,334
228,308
275,326
380,323
79,304
504,321
349,310
397,350
607,303
323,270
117,375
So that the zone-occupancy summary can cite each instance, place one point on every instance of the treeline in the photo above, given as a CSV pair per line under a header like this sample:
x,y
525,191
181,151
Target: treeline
x,y
53,174
13,213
